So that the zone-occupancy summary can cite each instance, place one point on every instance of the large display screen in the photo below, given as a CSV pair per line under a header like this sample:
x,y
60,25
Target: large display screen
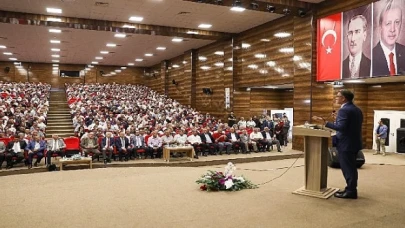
x,y
361,43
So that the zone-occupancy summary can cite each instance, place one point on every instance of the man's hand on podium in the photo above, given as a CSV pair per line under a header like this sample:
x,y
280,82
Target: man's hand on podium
x,y
318,118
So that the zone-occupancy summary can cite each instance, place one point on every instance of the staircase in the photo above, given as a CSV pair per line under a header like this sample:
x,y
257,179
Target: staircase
x,y
59,120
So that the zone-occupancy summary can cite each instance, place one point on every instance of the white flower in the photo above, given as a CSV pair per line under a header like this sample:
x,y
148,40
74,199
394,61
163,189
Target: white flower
x,y
241,179
229,168
207,177
228,184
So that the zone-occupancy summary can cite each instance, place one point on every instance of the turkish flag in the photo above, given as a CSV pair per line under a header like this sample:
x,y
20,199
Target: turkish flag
x,y
329,48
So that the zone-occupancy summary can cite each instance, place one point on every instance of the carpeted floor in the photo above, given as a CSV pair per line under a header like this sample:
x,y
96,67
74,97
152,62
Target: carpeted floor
x,y
169,197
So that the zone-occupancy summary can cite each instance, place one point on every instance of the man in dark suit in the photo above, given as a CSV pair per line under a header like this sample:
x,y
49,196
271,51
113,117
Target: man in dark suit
x,y
348,128
107,146
388,54
137,143
209,141
356,65
234,138
122,145
269,140
15,148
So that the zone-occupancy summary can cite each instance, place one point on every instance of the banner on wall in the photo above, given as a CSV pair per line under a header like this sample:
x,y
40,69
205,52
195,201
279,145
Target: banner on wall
x,y
365,42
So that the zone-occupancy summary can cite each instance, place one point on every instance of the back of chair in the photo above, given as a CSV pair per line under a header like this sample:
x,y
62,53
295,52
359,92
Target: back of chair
x,y
72,143
5,140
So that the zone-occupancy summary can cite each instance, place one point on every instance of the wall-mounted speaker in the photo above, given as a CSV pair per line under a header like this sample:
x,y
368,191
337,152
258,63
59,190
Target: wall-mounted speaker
x,y
207,91
174,82
6,70
101,72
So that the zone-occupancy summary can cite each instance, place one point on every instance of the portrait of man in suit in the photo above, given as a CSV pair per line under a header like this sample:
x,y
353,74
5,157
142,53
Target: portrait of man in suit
x,y
388,53
356,65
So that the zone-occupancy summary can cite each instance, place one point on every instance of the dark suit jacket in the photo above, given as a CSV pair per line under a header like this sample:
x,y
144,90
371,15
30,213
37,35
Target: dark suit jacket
x,y
119,145
104,142
204,140
133,141
380,66
229,137
364,71
264,135
348,128
10,146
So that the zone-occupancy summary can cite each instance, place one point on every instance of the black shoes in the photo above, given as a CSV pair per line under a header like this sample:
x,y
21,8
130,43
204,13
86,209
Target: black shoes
x,y
346,195
279,151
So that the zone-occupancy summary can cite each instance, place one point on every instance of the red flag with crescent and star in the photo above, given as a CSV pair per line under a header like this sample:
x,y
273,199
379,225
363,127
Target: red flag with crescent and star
x,y
329,48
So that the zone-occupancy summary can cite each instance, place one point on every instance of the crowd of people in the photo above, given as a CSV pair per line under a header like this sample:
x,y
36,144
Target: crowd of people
x,y
23,113
134,120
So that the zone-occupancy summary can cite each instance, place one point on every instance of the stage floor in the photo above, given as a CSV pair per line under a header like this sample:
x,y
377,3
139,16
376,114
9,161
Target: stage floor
x,y
169,197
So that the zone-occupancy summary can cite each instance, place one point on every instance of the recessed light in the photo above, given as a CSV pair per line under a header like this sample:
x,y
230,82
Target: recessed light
x,y
176,66
136,18
55,41
55,65
161,48
53,19
205,67
104,52
2,46
192,32
55,60
238,9
53,10
219,64
124,68
17,63
120,35
219,53
55,30
282,34
113,73
55,68
55,56
177,39
99,57
94,62
90,66
205,26
7,53
12,59
202,58
245,45
131,64
87,68
55,49
111,45
252,66
265,40
149,54
128,26
286,50
260,56
118,71
138,60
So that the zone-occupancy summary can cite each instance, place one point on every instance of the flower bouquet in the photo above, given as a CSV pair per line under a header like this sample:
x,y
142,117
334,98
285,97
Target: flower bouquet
x,y
219,181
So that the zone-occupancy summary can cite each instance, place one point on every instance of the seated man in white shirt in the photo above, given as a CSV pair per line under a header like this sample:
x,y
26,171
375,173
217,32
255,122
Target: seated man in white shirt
x,y
269,141
155,145
55,146
257,138
195,141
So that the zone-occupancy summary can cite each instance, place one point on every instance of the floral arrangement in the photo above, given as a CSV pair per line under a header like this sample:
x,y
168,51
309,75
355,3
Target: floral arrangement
x,y
219,181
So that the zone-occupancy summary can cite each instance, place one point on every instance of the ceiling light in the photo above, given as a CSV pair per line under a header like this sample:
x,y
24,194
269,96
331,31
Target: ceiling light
x,y
55,65
87,69
7,53
237,6
279,70
219,64
55,60
297,58
271,63
120,35
282,34
17,63
53,19
138,60
123,68
229,68
149,54
161,48
176,66
184,62
12,59
90,66
177,39
202,58
135,18
271,8
113,73
219,53
286,50
2,46
204,26
128,26
55,68
99,57
205,67
55,41
252,66
53,10
111,45
192,32
55,49
55,56
104,52
55,30
265,40
263,71
131,64
94,62
118,71
260,56
245,45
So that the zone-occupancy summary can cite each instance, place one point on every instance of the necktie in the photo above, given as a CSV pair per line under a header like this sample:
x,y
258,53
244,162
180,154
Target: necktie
x,y
352,68
108,143
392,65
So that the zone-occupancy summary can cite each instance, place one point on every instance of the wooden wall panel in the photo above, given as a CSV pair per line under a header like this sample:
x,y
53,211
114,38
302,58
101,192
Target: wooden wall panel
x,y
181,91
155,79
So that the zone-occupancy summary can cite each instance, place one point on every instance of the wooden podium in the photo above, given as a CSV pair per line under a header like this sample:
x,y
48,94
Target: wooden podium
x,y
316,159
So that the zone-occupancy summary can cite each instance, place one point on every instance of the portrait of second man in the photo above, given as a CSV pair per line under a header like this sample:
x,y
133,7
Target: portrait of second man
x,y
356,65
388,53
